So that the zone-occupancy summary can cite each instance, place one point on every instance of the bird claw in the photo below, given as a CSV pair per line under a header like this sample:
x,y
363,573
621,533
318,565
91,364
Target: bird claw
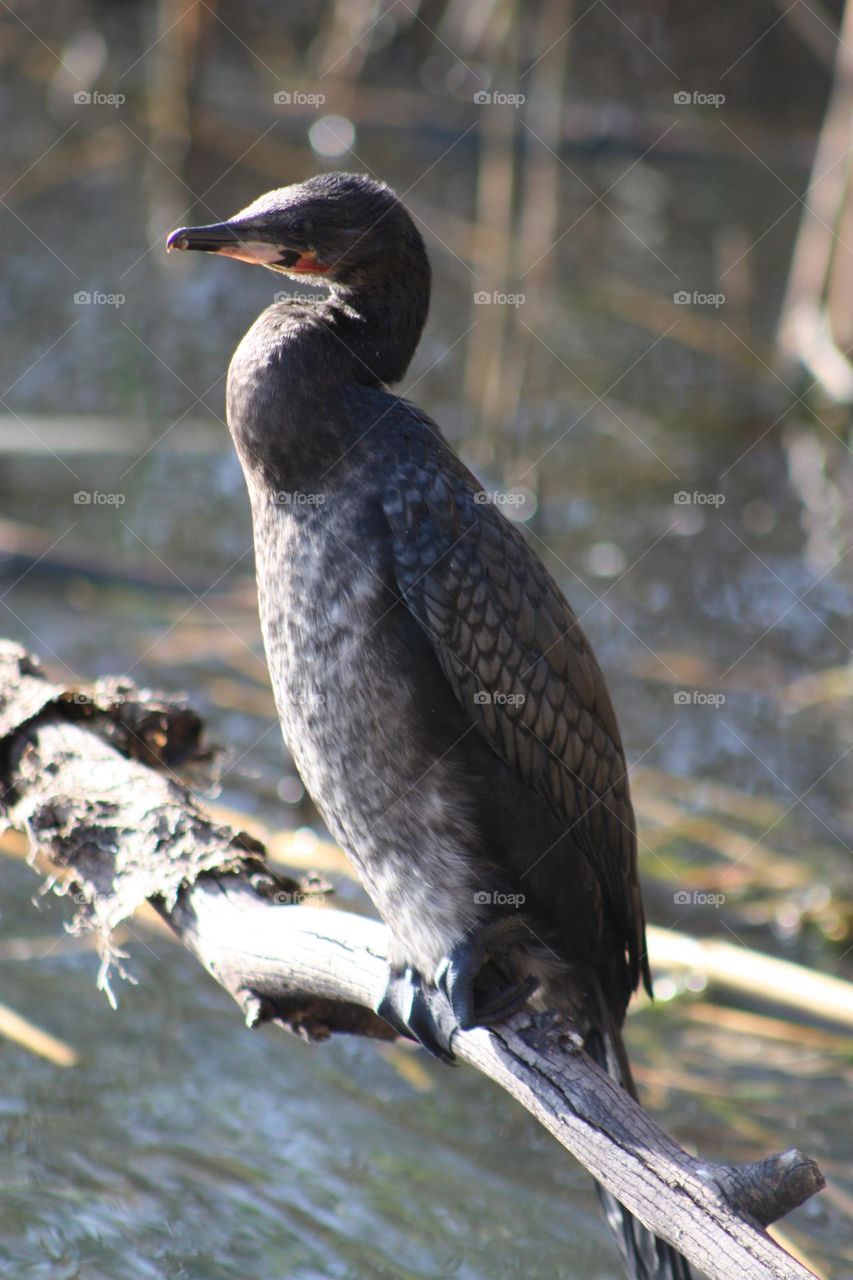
x,y
432,1012
420,1012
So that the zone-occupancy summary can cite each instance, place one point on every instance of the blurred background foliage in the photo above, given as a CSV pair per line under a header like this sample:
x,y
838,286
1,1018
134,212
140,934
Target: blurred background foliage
x,y
639,224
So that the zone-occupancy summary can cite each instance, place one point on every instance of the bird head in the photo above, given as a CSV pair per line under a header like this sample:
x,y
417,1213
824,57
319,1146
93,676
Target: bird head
x,y
336,228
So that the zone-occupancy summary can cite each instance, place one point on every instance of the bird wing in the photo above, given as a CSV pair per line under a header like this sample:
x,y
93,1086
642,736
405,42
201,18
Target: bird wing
x,y
519,663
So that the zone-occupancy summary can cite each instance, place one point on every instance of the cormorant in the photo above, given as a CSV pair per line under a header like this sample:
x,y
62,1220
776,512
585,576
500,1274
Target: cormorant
x,y
440,700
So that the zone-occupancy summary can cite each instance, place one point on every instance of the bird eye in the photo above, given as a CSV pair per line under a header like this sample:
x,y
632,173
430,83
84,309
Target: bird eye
x,y
299,226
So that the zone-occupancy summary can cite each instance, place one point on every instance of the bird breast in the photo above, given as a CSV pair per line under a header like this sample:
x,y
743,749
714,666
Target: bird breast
x,y
355,721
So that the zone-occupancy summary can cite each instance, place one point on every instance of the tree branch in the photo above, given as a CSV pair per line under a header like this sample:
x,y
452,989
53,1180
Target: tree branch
x,y
126,830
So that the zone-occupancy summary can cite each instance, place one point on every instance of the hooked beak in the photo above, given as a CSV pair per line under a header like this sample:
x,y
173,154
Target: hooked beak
x,y
222,237
231,242
212,238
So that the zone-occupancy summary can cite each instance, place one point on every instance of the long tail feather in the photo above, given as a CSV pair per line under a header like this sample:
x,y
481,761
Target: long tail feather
x,y
645,1256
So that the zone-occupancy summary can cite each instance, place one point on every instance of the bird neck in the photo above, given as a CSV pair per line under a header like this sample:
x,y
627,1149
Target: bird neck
x,y
379,322
301,363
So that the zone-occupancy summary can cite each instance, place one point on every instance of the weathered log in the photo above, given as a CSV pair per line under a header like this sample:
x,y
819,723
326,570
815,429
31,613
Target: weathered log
x,y
126,829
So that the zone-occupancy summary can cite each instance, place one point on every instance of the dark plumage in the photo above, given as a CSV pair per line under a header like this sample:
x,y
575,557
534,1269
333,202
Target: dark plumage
x,y
440,700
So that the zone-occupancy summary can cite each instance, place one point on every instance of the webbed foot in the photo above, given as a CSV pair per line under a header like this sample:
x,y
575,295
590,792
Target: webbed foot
x,y
430,1012
419,1011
